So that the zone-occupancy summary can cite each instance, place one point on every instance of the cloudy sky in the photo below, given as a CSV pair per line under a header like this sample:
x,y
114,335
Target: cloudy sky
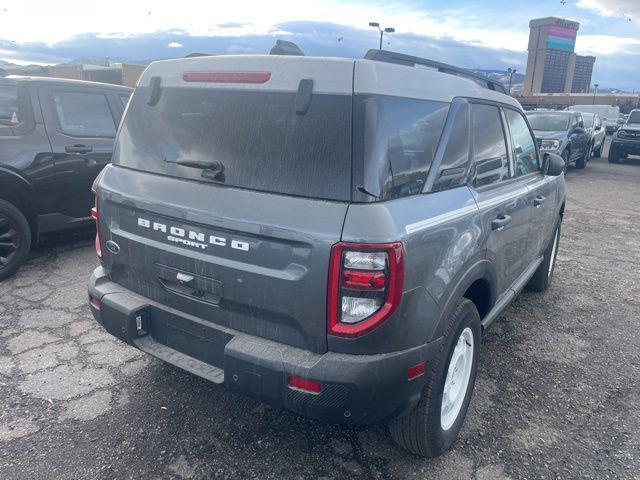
x,y
488,34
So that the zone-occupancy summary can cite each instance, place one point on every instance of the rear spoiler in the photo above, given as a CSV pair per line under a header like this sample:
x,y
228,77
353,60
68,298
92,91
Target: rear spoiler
x,y
411,61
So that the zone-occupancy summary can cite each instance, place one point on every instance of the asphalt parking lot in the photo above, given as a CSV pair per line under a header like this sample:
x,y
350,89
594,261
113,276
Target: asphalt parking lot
x,y
557,396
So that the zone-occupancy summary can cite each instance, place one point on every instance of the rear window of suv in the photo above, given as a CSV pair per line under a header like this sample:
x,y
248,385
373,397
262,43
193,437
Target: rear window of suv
x,y
9,107
257,135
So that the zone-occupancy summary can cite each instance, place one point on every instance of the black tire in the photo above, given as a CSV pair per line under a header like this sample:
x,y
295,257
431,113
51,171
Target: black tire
x,y
598,151
613,155
544,274
582,161
15,239
421,431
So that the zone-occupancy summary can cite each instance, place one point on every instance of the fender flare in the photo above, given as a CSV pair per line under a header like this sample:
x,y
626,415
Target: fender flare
x,y
477,268
21,191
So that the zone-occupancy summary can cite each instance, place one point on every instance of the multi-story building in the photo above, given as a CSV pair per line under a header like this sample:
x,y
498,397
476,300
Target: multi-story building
x,y
552,64
582,74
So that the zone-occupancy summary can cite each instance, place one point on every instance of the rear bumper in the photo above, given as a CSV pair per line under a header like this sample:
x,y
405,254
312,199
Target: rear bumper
x,y
626,147
356,389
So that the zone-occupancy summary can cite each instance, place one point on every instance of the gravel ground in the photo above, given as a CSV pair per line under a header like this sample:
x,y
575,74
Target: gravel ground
x,y
557,396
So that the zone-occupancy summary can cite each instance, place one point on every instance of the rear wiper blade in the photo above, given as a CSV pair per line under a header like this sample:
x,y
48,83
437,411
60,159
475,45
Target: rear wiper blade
x,y
211,169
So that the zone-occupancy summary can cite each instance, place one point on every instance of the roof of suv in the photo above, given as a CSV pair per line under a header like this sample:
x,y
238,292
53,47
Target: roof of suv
x,y
60,81
330,75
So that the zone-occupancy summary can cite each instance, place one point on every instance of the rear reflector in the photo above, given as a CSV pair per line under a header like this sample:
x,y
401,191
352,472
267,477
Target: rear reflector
x,y
226,77
416,371
95,302
304,385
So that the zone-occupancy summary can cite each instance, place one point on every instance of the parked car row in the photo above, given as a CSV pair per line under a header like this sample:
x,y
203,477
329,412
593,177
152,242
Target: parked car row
x,y
55,137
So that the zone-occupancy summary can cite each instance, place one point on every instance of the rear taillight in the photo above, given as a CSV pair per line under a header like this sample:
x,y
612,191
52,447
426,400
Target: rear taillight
x,y
96,217
365,286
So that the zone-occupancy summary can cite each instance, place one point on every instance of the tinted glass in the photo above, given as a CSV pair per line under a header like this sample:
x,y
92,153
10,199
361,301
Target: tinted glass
x,y
549,122
84,114
588,120
524,147
9,109
634,117
455,159
489,146
258,137
398,140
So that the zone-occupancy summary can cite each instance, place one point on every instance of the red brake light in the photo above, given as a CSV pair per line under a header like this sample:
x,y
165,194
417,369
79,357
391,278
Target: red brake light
x,y
365,286
305,385
360,280
96,217
226,77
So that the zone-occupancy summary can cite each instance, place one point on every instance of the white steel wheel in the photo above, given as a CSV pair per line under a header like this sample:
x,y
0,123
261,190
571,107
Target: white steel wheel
x,y
457,380
552,262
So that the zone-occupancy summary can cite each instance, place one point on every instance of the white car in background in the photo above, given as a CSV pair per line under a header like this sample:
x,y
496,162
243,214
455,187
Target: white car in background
x,y
608,114
595,130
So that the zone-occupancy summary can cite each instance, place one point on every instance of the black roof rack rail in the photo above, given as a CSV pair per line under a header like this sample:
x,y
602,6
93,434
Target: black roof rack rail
x,y
411,61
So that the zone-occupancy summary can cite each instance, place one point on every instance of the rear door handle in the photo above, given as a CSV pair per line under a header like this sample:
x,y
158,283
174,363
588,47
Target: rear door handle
x,y
78,148
539,200
500,222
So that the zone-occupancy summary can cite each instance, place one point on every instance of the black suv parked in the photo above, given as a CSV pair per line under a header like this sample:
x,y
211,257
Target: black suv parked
x,y
562,133
55,137
626,141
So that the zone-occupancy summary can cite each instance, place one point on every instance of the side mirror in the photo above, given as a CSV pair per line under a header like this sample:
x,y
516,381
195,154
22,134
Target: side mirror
x,y
553,164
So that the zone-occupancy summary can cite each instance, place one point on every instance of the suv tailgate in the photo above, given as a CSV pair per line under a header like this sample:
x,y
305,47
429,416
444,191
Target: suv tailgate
x,y
251,261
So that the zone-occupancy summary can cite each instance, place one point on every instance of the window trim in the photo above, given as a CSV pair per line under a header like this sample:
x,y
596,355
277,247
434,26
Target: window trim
x,y
55,89
511,149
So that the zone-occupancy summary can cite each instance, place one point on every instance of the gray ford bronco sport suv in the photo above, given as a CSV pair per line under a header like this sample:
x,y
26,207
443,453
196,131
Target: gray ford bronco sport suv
x,y
323,234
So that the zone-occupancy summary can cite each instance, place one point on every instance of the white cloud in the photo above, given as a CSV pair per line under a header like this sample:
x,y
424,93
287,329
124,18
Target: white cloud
x,y
175,45
607,45
623,9
57,21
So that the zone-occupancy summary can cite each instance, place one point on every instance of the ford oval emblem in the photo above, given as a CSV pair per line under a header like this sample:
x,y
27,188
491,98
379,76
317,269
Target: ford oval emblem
x,y
113,247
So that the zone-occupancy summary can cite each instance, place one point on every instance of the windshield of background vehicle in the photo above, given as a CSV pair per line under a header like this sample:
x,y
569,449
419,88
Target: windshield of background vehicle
x,y
550,123
634,117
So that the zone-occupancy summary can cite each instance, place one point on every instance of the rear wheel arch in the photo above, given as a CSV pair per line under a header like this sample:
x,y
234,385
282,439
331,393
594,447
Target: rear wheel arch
x,y
18,192
478,284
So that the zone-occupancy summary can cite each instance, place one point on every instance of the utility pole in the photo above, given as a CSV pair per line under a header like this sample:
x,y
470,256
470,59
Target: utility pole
x,y
382,32
595,91
511,71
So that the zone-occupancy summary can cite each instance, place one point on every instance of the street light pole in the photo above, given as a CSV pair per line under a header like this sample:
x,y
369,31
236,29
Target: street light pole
x,y
382,32
595,90
511,71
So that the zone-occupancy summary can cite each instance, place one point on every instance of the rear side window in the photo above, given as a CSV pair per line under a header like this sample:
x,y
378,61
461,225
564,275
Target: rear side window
x,y
524,147
491,162
9,106
453,169
257,136
396,140
84,114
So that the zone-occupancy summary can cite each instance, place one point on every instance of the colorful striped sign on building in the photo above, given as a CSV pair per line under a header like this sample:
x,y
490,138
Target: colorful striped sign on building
x,y
559,38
